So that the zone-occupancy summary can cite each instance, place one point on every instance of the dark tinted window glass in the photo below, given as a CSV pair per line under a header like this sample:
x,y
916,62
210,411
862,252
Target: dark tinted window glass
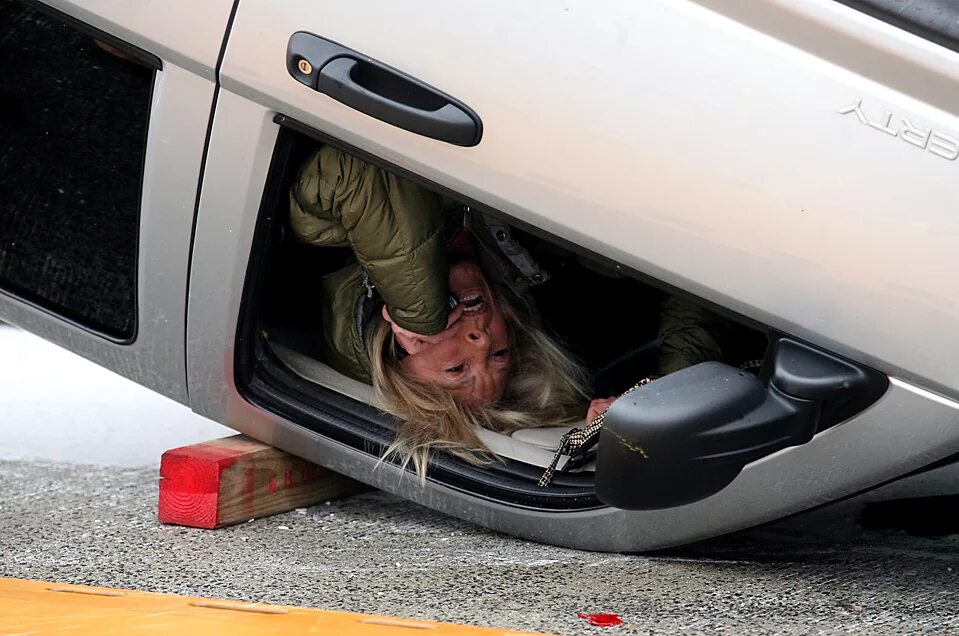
x,y
73,119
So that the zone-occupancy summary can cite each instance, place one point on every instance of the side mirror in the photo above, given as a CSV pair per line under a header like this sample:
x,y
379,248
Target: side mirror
x,y
686,436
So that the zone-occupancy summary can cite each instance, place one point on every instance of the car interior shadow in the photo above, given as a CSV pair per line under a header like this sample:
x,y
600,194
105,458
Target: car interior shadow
x,y
931,517
834,532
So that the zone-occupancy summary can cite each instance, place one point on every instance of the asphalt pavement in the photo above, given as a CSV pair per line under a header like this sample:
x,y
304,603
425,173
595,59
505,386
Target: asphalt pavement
x,y
78,468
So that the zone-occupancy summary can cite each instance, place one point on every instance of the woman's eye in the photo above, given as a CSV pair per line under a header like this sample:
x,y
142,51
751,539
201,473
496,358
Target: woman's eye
x,y
455,369
502,353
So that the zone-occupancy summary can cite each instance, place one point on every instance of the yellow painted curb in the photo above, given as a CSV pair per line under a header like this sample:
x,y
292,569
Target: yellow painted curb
x,y
35,607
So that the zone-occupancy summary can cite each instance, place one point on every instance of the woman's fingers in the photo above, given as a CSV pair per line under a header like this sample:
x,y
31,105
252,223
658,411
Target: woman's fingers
x,y
447,333
597,407
413,342
455,314
406,339
411,345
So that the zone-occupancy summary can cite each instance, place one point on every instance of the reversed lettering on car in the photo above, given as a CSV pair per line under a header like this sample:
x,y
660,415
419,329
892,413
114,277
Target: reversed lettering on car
x,y
938,143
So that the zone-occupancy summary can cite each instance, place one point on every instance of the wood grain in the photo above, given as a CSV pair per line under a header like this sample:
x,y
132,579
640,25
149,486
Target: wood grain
x,y
235,479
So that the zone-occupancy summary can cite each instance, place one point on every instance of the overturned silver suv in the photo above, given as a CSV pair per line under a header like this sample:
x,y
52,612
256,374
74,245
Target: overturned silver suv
x,y
782,171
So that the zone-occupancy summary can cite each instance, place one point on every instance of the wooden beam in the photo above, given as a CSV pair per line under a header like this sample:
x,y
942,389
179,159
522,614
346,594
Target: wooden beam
x,y
235,479
36,607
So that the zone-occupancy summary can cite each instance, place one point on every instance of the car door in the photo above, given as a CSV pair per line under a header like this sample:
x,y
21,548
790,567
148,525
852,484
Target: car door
x,y
790,161
734,150
104,109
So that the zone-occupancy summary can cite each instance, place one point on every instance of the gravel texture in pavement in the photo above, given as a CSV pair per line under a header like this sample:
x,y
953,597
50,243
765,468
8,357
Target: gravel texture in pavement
x,y
818,573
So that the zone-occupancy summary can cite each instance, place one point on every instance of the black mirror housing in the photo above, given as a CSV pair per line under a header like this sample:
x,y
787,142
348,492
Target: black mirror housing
x,y
686,436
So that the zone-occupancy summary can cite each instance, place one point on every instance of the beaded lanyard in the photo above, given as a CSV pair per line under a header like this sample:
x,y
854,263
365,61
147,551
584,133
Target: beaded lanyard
x,y
580,440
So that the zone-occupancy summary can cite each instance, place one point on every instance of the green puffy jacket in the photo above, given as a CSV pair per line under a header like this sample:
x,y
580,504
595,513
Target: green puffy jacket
x,y
396,230
688,335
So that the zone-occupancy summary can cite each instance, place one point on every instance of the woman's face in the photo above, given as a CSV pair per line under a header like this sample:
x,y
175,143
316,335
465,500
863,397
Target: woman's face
x,y
473,362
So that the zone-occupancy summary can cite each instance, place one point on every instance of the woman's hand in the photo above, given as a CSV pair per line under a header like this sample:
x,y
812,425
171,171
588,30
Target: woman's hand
x,y
597,407
412,342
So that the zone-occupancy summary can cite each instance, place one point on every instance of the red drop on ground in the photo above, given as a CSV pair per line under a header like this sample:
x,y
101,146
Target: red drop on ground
x,y
601,620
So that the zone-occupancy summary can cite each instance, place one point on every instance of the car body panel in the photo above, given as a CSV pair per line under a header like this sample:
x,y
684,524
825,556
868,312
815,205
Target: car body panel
x,y
179,116
700,143
232,188
906,429
188,34
705,150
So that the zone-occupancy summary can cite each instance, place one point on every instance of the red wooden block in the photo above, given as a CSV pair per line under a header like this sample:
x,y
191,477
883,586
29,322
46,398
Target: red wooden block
x,y
230,480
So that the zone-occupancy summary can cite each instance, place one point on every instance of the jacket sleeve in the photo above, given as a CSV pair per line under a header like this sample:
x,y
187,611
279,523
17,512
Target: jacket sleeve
x,y
688,335
394,226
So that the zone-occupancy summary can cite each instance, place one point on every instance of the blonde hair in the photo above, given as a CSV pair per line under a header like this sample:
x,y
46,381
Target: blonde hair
x,y
545,388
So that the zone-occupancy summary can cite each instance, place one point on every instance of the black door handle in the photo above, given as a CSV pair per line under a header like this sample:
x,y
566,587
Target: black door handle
x,y
390,97
380,91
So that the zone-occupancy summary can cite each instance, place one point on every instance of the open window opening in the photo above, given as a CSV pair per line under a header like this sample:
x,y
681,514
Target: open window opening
x,y
607,318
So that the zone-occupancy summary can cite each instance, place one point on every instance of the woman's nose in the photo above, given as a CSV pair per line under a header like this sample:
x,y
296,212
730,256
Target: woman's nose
x,y
477,336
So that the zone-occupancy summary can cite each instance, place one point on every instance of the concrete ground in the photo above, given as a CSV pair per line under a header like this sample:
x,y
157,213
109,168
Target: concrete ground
x,y
78,505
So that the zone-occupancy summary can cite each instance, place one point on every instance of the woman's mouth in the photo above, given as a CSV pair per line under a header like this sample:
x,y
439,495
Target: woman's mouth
x,y
472,303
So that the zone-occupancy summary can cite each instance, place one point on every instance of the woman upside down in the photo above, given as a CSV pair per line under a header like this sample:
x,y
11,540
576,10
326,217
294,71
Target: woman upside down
x,y
433,312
